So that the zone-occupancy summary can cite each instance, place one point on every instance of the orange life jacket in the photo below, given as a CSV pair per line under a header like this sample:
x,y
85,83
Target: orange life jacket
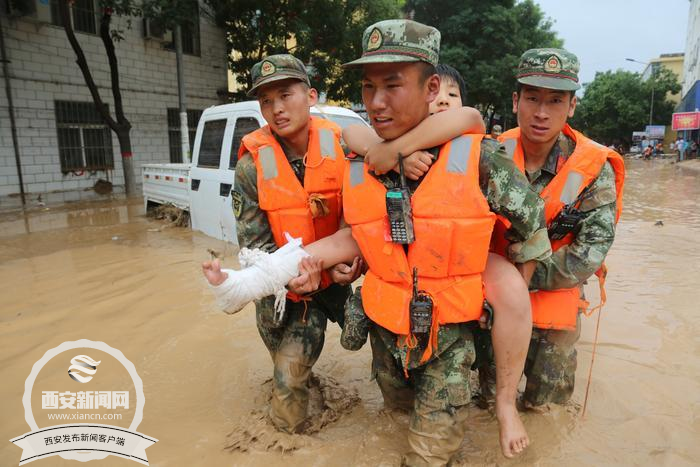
x,y
557,309
311,211
452,224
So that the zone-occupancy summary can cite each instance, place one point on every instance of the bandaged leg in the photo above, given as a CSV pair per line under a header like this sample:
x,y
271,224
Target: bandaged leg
x,y
263,274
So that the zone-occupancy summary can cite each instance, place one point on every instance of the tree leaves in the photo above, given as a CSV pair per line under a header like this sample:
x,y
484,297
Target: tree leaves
x,y
484,40
321,33
616,103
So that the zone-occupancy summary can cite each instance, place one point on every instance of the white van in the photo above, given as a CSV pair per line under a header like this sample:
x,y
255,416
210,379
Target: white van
x,y
204,187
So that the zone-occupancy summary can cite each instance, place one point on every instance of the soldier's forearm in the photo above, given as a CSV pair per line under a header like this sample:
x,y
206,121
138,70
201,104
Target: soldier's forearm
x,y
536,248
569,266
509,194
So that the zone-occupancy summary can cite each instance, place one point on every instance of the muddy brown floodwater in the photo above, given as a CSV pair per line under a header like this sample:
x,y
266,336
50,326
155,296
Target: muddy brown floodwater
x,y
105,272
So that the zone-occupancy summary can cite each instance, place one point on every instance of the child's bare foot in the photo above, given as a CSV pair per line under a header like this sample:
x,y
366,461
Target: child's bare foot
x,y
513,437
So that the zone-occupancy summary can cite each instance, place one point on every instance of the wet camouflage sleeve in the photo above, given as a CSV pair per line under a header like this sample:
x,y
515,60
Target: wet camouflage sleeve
x,y
252,226
509,194
572,264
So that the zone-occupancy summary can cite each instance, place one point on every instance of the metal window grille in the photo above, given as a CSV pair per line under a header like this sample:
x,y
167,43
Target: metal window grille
x,y
84,15
244,125
190,36
174,132
84,140
210,145
56,13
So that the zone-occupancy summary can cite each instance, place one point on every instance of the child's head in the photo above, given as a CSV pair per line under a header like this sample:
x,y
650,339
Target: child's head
x,y
453,92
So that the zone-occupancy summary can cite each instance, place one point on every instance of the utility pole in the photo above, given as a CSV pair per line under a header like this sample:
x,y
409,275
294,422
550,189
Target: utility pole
x,y
184,128
11,111
651,108
651,77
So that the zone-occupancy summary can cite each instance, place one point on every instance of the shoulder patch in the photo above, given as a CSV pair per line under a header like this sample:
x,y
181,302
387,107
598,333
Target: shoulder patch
x,y
237,201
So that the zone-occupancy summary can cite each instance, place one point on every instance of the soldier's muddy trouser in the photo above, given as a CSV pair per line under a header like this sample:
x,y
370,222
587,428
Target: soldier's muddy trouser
x,y
550,367
436,394
294,349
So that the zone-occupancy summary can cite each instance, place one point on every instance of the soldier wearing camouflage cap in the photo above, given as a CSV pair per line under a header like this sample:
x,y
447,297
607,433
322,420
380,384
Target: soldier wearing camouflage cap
x,y
398,41
571,172
287,181
496,131
276,68
549,69
432,379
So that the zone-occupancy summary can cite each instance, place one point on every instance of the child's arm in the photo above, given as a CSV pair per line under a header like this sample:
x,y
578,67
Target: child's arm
x,y
333,249
359,138
336,249
433,131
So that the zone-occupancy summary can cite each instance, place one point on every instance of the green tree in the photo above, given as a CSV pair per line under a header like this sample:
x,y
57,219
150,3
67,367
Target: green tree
x,y
168,12
321,33
484,40
616,103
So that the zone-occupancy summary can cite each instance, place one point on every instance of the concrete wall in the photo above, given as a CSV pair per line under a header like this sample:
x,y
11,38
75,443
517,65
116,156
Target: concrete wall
x,y
42,69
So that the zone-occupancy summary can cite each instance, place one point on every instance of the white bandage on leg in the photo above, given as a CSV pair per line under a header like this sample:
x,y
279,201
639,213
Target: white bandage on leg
x,y
263,274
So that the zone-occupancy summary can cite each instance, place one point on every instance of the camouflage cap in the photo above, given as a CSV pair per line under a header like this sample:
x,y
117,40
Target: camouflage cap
x,y
276,68
398,40
549,68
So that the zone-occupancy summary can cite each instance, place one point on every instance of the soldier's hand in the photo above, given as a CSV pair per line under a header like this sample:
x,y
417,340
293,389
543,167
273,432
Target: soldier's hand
x,y
212,271
343,274
416,165
381,158
309,277
527,270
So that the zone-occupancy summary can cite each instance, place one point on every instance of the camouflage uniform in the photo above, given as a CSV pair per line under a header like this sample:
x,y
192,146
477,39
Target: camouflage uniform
x,y
296,344
437,391
551,361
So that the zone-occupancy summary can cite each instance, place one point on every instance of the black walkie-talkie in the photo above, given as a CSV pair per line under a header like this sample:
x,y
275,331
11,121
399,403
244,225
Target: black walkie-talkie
x,y
566,222
398,208
420,308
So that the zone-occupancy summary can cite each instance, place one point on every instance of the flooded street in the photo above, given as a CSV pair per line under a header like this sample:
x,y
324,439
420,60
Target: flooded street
x,y
105,272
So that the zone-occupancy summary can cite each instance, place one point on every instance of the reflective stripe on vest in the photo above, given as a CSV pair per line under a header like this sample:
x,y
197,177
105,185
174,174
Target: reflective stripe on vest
x,y
558,309
266,155
453,224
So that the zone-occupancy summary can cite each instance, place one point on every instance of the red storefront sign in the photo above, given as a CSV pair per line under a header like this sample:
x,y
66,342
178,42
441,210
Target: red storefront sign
x,y
686,121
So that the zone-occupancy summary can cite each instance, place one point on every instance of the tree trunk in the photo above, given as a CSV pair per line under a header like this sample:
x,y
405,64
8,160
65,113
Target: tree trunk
x,y
124,137
121,126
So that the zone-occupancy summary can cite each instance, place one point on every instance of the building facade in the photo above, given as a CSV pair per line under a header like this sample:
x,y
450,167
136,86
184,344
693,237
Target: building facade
x,y
672,61
64,146
690,94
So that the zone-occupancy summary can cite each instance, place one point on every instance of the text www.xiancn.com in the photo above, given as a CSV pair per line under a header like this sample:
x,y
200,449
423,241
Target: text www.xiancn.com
x,y
84,416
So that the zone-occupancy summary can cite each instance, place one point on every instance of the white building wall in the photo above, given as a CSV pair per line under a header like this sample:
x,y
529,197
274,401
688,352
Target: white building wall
x,y
691,72
43,69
